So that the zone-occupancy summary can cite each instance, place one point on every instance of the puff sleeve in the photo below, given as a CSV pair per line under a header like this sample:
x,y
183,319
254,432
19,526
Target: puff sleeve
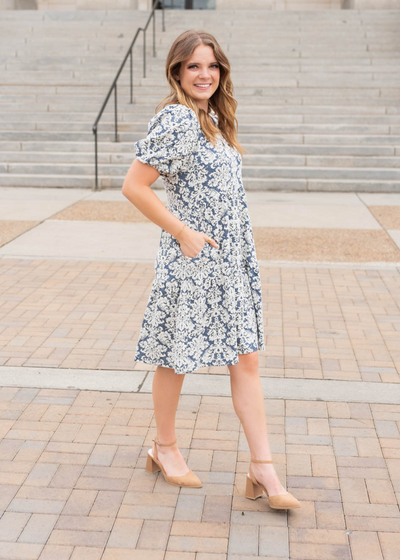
x,y
171,141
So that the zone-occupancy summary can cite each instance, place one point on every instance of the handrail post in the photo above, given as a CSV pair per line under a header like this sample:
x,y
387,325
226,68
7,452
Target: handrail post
x,y
144,53
163,18
95,158
131,77
115,107
154,33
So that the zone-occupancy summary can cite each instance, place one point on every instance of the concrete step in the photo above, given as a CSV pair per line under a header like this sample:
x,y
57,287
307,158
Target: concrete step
x,y
287,37
357,135
293,67
139,122
343,162
244,85
249,160
348,173
245,127
314,105
90,59
70,181
251,138
257,96
375,114
121,16
71,150
79,182
321,185
86,158
28,106
254,172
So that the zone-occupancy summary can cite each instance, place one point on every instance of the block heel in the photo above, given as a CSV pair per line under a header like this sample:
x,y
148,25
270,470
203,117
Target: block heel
x,y
253,491
151,465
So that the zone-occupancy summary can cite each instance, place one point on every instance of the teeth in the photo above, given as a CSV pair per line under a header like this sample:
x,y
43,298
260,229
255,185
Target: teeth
x,y
202,86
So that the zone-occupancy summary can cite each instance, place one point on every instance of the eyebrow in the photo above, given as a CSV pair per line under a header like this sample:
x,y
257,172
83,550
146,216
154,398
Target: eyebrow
x,y
215,62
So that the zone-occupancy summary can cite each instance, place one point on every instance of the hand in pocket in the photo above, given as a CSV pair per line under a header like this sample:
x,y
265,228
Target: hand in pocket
x,y
192,242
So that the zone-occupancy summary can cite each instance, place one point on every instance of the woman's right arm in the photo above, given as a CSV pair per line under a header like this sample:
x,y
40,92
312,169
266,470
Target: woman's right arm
x,y
137,189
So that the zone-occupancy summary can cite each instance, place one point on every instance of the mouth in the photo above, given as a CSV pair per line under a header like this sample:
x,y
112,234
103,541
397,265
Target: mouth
x,y
203,87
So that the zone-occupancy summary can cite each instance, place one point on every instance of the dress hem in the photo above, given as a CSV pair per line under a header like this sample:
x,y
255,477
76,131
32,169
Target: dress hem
x,y
200,365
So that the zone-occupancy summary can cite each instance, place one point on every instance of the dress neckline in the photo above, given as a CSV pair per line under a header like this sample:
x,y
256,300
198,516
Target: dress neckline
x,y
214,116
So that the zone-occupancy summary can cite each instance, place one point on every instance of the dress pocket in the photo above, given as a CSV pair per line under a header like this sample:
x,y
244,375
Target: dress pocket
x,y
202,251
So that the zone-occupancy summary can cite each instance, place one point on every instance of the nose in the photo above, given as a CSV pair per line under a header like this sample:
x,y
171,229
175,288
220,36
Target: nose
x,y
204,73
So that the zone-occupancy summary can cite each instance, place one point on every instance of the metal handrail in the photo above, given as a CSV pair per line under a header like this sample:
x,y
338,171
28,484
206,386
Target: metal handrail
x,y
114,84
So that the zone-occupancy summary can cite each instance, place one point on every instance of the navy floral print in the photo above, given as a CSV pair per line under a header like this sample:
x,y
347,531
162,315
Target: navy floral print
x,y
202,311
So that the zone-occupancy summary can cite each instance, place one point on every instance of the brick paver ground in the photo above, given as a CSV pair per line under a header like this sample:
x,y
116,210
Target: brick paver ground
x,y
320,323
73,483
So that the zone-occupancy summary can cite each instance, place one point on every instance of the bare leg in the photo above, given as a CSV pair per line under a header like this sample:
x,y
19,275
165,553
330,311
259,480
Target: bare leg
x,y
167,387
248,402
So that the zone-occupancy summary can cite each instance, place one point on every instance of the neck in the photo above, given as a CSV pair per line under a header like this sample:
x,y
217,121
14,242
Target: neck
x,y
203,105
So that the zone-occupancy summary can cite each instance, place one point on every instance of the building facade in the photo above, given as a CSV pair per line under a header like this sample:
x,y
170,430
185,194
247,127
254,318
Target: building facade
x,y
279,5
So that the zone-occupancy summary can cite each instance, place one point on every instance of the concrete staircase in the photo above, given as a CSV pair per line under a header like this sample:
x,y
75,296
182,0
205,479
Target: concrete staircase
x,y
318,92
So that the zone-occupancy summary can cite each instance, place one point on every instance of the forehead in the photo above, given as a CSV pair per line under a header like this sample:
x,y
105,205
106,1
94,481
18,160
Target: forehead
x,y
202,53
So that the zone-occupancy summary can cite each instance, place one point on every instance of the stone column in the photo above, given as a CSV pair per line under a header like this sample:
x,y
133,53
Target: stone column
x,y
375,4
249,4
278,5
84,4
18,5
144,4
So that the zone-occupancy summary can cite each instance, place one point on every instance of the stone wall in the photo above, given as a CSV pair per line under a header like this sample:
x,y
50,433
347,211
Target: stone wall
x,y
88,4
75,4
278,4
372,4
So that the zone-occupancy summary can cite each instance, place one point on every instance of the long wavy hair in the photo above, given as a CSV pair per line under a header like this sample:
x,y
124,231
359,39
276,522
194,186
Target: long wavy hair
x,y
222,101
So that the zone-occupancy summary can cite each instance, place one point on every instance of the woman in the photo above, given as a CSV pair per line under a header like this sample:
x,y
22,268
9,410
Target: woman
x,y
205,305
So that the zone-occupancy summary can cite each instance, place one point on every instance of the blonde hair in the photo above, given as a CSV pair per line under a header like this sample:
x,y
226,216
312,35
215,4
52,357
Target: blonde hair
x,y
222,101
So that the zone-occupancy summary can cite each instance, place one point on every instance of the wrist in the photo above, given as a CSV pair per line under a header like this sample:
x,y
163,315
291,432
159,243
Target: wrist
x,y
180,232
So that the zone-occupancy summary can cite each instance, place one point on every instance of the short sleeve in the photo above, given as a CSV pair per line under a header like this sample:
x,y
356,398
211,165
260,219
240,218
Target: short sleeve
x,y
171,141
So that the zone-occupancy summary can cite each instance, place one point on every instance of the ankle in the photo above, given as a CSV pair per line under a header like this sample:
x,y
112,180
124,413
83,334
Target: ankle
x,y
263,466
267,470
165,449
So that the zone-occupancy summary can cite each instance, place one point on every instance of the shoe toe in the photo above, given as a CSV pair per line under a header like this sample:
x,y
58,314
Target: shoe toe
x,y
283,501
192,480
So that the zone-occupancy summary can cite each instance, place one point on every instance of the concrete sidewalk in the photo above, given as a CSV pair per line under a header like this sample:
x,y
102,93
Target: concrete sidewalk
x,y
288,227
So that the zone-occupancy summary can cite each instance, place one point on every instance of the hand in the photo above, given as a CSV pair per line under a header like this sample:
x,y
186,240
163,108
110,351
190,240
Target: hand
x,y
192,242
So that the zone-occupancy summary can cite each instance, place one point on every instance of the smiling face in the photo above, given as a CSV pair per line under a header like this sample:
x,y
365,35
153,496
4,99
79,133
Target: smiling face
x,y
199,75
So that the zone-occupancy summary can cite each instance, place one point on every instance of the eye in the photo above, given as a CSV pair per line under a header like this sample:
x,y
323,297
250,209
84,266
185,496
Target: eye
x,y
195,65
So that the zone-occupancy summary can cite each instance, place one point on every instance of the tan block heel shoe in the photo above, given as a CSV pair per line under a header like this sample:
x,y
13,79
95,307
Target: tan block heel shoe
x,y
153,465
255,489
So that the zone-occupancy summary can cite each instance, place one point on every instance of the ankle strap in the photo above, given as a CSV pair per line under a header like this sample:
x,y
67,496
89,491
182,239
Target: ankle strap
x,y
259,461
159,443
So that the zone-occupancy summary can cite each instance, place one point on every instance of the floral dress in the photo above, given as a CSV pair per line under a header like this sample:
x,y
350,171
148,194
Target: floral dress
x,y
201,311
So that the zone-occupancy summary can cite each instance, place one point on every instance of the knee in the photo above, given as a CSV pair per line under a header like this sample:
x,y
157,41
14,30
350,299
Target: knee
x,y
249,360
248,365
